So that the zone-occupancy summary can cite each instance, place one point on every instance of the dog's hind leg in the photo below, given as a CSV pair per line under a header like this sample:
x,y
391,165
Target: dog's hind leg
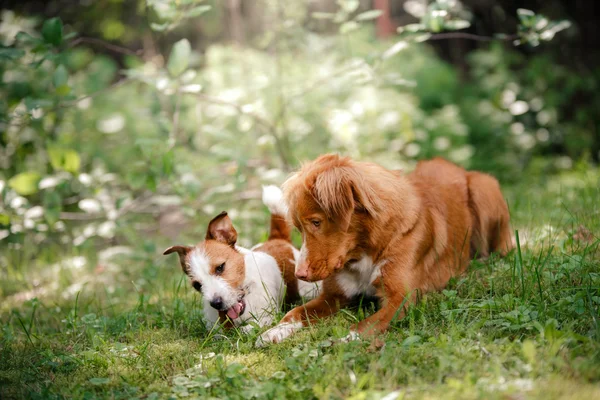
x,y
490,217
502,241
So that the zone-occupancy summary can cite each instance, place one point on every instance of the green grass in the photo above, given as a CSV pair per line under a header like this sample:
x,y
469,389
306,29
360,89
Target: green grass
x,y
128,326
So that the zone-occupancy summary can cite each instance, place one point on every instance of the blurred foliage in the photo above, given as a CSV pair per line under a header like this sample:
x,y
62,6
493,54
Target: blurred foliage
x,y
97,149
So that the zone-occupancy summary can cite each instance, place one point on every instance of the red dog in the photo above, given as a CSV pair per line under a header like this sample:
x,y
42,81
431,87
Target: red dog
x,y
369,230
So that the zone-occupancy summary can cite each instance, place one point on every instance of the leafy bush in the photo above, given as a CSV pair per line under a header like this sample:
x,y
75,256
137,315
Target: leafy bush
x,y
91,152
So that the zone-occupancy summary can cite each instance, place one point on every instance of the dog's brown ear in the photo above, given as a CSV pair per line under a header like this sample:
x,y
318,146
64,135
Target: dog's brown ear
x,y
333,191
183,251
221,229
340,191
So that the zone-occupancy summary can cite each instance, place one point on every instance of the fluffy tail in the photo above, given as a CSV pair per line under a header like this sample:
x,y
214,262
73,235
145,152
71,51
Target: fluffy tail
x,y
273,198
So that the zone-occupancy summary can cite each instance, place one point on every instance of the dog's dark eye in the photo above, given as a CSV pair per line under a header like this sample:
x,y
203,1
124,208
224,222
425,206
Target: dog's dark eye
x,y
316,222
220,268
197,285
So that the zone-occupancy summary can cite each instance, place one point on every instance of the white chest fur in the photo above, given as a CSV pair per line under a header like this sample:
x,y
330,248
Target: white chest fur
x,y
357,278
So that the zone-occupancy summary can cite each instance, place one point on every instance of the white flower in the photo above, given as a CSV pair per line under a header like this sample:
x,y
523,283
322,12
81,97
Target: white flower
x,y
388,120
357,108
508,98
192,88
396,48
544,117
34,212
85,179
412,150
415,8
461,154
49,182
343,127
441,143
526,141
518,108
162,83
89,230
208,209
564,162
90,205
18,202
536,104
542,135
37,113
84,103
107,229
517,128
112,124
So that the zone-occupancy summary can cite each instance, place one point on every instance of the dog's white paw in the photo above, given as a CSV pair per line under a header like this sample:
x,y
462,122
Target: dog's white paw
x,y
247,328
278,333
351,337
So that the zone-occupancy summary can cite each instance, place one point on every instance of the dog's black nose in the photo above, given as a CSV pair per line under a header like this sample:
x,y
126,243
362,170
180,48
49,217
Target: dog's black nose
x,y
217,303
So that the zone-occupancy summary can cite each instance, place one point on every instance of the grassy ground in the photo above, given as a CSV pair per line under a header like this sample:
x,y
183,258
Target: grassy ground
x,y
119,324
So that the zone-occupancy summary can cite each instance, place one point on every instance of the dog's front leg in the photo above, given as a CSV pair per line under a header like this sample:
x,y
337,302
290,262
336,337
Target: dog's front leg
x,y
328,303
396,294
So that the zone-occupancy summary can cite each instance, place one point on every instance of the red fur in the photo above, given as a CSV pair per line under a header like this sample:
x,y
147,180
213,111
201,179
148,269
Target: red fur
x,y
420,228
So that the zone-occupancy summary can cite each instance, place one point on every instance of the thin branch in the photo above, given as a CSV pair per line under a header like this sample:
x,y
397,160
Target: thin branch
x,y
470,36
136,205
75,216
96,93
320,81
106,45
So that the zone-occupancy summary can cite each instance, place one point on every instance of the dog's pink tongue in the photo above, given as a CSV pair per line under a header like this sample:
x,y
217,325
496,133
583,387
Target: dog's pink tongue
x,y
234,311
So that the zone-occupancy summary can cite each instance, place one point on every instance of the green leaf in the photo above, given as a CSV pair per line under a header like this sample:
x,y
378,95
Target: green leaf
x,y
63,90
52,206
322,15
52,31
168,162
25,183
412,28
151,182
529,351
348,27
61,76
526,17
64,159
159,27
26,38
99,381
4,219
457,24
349,6
69,35
32,104
197,11
409,341
179,58
523,12
136,179
368,15
10,54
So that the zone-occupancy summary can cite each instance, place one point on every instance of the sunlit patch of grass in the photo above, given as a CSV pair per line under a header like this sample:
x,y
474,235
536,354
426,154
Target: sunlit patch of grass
x,y
525,326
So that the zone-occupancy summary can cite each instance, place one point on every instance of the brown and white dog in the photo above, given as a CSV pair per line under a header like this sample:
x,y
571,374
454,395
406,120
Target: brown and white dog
x,y
369,230
240,285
